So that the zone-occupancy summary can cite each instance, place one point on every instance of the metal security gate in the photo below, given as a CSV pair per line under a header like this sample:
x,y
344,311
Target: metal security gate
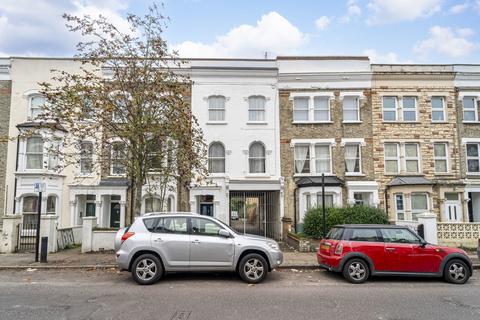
x,y
256,212
27,232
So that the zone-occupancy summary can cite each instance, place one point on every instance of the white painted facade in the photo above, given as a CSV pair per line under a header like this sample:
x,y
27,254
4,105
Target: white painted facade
x,y
236,81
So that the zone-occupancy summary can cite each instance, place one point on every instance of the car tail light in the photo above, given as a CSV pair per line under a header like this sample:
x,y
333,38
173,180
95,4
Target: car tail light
x,y
127,235
339,248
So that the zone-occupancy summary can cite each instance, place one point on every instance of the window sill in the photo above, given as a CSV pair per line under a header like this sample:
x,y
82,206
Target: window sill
x,y
439,122
84,175
216,122
473,173
313,174
312,122
352,122
116,176
257,175
257,123
444,174
402,122
471,122
354,174
403,174
217,175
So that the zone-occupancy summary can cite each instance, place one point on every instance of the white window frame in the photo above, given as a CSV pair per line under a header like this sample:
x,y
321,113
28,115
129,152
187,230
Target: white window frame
x,y
397,211
415,212
353,173
30,108
477,158
42,153
407,158
357,109
264,158
402,109
444,113
315,157
319,195
475,108
84,158
113,159
328,109
308,158
310,96
302,110
210,158
389,158
224,109
263,110
395,109
308,202
441,158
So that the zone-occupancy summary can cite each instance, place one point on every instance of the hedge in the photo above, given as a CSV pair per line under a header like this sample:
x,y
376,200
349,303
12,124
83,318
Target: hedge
x,y
313,220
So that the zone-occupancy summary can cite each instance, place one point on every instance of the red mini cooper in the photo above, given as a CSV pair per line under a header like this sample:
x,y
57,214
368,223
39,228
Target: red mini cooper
x,y
359,251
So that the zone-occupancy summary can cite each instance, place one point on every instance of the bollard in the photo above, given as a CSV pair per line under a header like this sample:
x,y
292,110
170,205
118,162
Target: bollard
x,y
44,250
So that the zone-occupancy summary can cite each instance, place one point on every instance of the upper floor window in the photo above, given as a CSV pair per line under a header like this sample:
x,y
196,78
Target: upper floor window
x,y
407,111
216,108
256,157
256,108
352,158
153,204
440,154
351,109
321,109
86,157
216,158
302,158
34,153
438,109
312,158
473,157
120,105
118,157
470,109
37,102
394,152
300,109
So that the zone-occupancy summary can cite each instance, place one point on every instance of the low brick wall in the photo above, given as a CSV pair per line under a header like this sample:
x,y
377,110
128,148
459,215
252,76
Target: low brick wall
x,y
302,244
459,234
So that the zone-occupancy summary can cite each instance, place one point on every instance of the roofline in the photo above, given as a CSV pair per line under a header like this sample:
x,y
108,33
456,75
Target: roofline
x,y
364,58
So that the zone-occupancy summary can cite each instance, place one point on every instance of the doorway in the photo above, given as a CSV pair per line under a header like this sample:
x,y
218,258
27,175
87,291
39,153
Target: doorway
x,y
453,207
114,215
206,205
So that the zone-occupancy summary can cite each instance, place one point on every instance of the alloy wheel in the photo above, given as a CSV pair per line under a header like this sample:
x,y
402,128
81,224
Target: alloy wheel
x,y
146,269
254,269
357,271
457,271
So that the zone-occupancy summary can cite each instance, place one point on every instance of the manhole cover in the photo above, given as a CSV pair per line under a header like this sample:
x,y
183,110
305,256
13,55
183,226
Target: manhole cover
x,y
181,315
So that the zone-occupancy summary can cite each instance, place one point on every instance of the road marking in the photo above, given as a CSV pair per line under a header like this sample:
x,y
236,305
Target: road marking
x,y
181,315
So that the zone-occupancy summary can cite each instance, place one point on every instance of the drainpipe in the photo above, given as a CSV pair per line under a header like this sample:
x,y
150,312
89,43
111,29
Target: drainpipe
x,y
386,200
295,208
15,185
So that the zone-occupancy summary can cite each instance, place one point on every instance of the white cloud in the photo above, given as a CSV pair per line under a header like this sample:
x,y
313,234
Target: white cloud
x,y
272,33
389,57
446,41
353,10
322,22
459,8
389,11
477,6
37,27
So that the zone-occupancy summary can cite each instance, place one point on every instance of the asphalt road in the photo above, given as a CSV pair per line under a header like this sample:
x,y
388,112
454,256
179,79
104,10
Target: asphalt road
x,y
289,295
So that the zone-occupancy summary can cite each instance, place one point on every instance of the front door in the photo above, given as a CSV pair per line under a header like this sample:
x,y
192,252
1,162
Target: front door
x,y
206,209
453,208
115,215
207,248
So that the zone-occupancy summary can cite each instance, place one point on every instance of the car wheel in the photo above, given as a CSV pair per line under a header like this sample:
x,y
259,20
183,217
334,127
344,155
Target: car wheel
x,y
356,271
456,271
253,268
147,269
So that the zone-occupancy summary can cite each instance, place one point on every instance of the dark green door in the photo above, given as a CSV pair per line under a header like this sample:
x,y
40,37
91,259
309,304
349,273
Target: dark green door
x,y
115,215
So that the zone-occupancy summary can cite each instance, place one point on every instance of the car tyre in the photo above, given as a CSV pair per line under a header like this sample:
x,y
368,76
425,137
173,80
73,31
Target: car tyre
x,y
456,271
253,268
147,269
356,271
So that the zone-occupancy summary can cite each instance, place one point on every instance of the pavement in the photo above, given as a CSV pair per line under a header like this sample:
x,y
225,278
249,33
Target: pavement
x,y
74,259
284,295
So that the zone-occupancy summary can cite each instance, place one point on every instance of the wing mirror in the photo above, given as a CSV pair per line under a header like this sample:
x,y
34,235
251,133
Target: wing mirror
x,y
224,233
423,244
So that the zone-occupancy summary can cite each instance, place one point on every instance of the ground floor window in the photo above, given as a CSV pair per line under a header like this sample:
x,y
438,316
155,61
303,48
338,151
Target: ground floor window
x,y
51,204
90,206
152,204
419,204
328,200
399,206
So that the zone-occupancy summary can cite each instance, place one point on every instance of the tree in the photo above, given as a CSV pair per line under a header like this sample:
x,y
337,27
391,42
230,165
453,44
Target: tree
x,y
127,111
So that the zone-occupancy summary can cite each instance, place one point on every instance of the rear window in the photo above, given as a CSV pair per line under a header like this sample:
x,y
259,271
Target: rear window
x,y
166,225
366,235
335,234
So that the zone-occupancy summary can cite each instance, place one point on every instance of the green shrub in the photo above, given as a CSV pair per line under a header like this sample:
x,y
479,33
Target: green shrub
x,y
313,220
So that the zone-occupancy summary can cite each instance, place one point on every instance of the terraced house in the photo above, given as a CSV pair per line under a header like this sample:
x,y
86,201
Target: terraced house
x,y
415,141
5,92
325,128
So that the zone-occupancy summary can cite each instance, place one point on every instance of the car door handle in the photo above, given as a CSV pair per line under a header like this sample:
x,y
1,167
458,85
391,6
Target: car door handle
x,y
195,241
158,240
390,249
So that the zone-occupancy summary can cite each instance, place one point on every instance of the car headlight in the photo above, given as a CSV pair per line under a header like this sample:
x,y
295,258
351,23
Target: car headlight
x,y
273,245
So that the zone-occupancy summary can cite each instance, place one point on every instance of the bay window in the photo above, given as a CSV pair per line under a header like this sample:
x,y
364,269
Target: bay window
x,y
399,207
34,153
419,202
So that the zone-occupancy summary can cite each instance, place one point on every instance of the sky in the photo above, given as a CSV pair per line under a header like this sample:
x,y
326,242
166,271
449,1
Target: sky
x,y
388,31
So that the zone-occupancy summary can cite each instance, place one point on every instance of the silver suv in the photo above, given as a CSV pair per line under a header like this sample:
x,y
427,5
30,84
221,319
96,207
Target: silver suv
x,y
170,242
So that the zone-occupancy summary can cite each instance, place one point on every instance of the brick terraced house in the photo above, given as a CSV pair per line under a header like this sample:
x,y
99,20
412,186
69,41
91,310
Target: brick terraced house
x,y
405,138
